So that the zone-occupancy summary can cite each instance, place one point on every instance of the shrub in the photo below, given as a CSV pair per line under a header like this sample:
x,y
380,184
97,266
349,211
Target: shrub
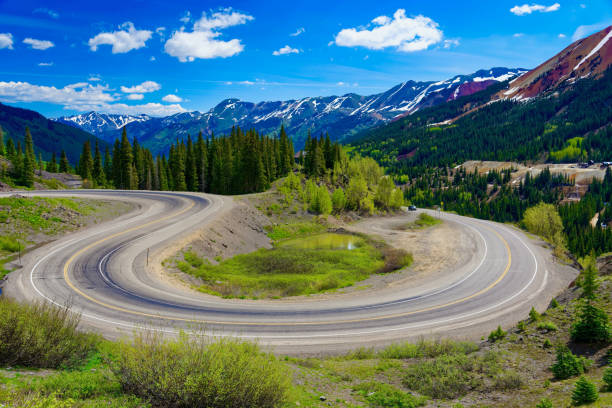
x,y
549,326
544,403
522,326
426,349
534,316
9,244
547,344
607,378
543,220
450,376
387,396
554,304
41,335
338,200
497,334
585,392
567,364
510,380
191,371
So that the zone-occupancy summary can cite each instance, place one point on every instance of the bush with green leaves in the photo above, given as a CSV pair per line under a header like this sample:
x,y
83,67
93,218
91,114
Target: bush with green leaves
x,y
584,392
548,326
451,376
497,334
534,316
387,396
41,335
192,371
544,403
607,378
568,364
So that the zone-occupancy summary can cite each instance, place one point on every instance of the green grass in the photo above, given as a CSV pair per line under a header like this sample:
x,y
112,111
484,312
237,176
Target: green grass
x,y
424,220
10,244
294,230
387,396
34,212
285,270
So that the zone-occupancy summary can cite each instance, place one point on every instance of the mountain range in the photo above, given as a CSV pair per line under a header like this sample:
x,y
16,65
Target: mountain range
x,y
49,136
560,111
351,117
340,116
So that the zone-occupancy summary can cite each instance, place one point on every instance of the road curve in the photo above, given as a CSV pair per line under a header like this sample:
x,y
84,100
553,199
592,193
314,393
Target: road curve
x,y
102,273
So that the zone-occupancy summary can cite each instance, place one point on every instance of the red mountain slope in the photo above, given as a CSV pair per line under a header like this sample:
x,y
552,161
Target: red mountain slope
x,y
584,58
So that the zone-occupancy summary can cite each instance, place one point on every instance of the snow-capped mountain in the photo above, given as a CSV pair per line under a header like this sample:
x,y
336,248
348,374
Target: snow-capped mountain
x,y
97,123
341,116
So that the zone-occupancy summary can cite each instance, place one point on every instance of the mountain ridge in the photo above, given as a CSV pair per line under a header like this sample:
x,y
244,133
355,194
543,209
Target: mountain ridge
x,y
340,115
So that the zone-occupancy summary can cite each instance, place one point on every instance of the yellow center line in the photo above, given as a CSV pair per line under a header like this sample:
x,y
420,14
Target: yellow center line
x,y
188,320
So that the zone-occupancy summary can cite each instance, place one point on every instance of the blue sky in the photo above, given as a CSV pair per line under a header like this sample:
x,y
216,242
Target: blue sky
x,y
162,57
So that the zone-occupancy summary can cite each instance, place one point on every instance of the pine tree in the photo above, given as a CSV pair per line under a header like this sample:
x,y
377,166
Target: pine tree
x,y
116,165
64,166
202,163
98,169
40,164
17,161
2,151
585,392
593,324
191,171
52,164
108,166
85,168
128,179
29,161
10,149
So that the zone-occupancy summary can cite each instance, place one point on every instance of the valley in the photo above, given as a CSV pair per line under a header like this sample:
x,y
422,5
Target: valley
x,y
441,243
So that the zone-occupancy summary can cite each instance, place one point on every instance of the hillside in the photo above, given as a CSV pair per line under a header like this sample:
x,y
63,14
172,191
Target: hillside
x,y
340,116
490,125
49,136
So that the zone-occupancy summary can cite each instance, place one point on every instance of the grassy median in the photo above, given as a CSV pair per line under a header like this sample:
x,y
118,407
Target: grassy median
x,y
305,260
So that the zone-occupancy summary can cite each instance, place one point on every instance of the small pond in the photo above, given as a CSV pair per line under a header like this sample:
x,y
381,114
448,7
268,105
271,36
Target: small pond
x,y
325,241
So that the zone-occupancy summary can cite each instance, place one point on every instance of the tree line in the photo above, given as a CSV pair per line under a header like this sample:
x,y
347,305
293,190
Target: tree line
x,y
241,162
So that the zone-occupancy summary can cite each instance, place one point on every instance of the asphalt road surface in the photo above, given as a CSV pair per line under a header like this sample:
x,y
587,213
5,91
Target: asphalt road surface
x,y
102,273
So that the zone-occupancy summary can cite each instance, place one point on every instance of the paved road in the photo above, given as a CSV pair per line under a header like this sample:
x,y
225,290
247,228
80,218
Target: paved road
x,y
102,272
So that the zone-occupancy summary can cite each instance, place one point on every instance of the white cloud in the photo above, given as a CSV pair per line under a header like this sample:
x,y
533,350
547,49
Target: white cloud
x,y
203,41
81,97
128,38
451,42
6,41
49,12
70,94
172,98
562,35
403,33
583,6
299,31
518,35
145,87
45,64
186,18
585,30
152,59
286,50
94,78
528,9
151,109
135,97
38,44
